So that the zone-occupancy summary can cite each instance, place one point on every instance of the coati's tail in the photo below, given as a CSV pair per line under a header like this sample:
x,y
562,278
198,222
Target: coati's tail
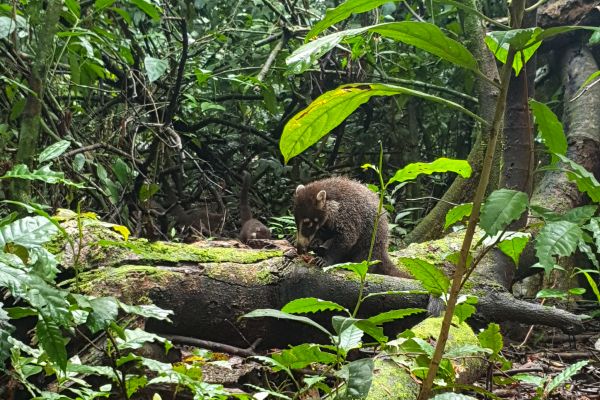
x,y
245,211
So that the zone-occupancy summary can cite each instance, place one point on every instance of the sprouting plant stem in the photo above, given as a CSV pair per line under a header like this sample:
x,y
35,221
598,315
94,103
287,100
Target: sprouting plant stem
x,y
375,228
473,218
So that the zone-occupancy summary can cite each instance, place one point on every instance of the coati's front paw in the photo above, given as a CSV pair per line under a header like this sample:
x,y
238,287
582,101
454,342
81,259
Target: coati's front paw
x,y
319,262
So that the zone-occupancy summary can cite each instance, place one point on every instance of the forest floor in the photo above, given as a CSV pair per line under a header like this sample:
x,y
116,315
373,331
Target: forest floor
x,y
546,354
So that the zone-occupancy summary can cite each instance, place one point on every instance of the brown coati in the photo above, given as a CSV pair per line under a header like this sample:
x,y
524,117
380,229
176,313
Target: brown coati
x,y
251,227
339,214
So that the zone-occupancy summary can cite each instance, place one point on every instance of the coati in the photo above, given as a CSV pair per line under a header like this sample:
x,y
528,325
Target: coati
x,y
339,214
251,227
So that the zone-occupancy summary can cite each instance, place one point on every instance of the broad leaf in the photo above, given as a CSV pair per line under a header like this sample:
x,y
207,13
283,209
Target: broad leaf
x,y
585,181
303,355
422,35
393,315
523,40
360,269
147,311
592,282
376,332
104,312
7,26
52,341
155,68
412,171
580,215
594,227
44,174
428,37
311,305
53,151
331,108
432,279
463,311
457,213
341,12
350,338
466,350
551,294
558,238
266,312
491,338
5,331
360,376
502,207
550,129
28,232
514,246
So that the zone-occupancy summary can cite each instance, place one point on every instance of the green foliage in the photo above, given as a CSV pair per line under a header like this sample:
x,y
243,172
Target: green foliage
x,y
514,246
586,182
43,174
457,213
502,207
311,305
412,171
340,13
432,279
491,338
330,109
549,127
545,386
556,239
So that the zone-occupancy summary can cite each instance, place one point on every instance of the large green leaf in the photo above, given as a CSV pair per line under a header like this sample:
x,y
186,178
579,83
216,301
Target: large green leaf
x,y
104,311
502,207
350,338
341,12
393,315
303,355
514,246
28,232
523,40
155,68
327,111
360,376
50,337
432,279
430,38
422,35
452,396
7,26
412,171
558,238
267,312
311,305
491,338
550,129
586,182
44,174
5,330
457,213
580,215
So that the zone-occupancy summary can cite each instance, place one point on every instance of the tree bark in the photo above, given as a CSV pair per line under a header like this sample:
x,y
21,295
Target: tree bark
x,y
462,190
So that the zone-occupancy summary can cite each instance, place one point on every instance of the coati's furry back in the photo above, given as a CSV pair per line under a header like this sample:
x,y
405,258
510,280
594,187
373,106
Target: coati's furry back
x,y
251,227
341,213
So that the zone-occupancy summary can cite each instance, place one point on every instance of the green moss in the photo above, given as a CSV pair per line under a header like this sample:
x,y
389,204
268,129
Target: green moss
x,y
241,274
460,334
93,282
391,382
179,252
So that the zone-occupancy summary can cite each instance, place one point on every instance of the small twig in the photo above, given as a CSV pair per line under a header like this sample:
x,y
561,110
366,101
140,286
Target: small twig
x,y
263,72
225,348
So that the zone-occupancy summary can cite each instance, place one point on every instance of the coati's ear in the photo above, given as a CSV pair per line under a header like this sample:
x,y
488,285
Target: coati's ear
x,y
299,188
321,197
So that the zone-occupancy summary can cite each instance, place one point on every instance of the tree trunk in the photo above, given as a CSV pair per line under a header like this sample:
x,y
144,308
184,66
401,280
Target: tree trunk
x,y
32,113
462,190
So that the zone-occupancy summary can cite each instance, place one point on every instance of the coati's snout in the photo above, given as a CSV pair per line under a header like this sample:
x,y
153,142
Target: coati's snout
x,y
310,215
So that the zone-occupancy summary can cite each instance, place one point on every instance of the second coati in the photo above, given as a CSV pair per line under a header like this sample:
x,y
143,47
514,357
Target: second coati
x,y
340,214
251,227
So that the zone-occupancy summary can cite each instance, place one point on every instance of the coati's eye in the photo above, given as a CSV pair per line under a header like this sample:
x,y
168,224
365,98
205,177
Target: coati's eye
x,y
316,220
